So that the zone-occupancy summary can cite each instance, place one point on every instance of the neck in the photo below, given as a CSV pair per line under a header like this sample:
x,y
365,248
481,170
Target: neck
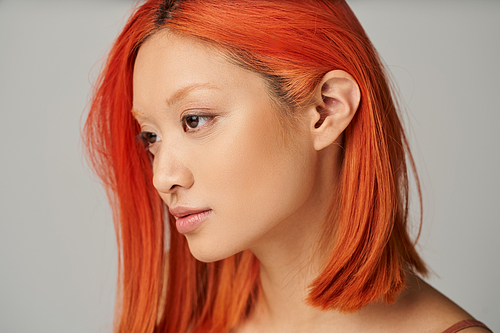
x,y
284,290
291,258
283,307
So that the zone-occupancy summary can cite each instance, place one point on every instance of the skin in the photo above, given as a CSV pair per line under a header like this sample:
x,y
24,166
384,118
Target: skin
x,y
267,188
236,163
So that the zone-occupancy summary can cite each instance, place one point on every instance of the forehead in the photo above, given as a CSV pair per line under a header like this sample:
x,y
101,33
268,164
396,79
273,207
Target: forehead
x,y
168,64
169,47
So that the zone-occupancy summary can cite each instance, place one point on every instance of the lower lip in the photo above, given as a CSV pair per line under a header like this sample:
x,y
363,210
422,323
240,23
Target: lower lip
x,y
189,223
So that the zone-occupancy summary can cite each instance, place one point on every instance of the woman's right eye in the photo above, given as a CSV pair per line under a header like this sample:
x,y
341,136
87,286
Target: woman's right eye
x,y
148,139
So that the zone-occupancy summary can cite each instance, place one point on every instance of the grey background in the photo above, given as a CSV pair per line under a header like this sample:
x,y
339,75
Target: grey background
x,y
57,246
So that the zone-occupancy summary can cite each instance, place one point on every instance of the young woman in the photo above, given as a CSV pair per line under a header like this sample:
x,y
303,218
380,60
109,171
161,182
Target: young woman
x,y
256,165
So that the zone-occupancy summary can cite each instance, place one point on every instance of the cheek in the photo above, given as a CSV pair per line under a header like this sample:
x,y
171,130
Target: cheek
x,y
253,178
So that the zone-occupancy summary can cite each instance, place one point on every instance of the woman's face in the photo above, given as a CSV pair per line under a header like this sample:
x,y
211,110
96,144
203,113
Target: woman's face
x,y
222,163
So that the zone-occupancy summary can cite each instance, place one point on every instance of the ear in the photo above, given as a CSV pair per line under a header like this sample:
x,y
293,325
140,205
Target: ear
x,y
336,100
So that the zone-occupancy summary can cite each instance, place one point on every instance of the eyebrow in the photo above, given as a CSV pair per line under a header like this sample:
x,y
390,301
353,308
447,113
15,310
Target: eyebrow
x,y
177,96
137,114
183,92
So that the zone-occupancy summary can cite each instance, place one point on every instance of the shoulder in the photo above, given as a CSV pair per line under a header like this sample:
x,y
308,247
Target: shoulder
x,y
469,326
427,310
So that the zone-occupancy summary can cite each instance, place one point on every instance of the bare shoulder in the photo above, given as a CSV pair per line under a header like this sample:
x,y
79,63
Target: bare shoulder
x,y
419,308
428,310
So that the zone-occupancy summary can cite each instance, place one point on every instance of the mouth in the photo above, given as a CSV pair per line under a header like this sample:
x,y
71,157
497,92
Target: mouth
x,y
189,219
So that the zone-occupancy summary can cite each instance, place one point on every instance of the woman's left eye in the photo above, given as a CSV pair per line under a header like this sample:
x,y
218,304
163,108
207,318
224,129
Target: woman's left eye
x,y
193,122
148,139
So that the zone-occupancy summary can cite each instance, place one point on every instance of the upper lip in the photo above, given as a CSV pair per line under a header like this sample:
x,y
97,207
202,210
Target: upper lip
x,y
181,211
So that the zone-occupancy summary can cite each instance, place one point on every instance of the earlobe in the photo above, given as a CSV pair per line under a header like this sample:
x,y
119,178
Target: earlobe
x,y
338,98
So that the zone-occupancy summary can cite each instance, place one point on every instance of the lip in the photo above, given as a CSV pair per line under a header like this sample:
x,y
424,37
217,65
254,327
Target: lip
x,y
189,219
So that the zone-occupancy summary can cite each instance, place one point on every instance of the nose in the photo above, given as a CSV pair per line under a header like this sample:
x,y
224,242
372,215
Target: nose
x,y
170,173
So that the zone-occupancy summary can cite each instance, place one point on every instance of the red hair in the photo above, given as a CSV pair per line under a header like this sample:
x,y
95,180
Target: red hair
x,y
292,44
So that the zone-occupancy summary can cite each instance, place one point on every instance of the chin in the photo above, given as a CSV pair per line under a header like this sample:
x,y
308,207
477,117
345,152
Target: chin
x,y
208,253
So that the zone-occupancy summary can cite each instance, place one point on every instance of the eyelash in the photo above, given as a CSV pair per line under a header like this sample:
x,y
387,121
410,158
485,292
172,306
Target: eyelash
x,y
146,138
